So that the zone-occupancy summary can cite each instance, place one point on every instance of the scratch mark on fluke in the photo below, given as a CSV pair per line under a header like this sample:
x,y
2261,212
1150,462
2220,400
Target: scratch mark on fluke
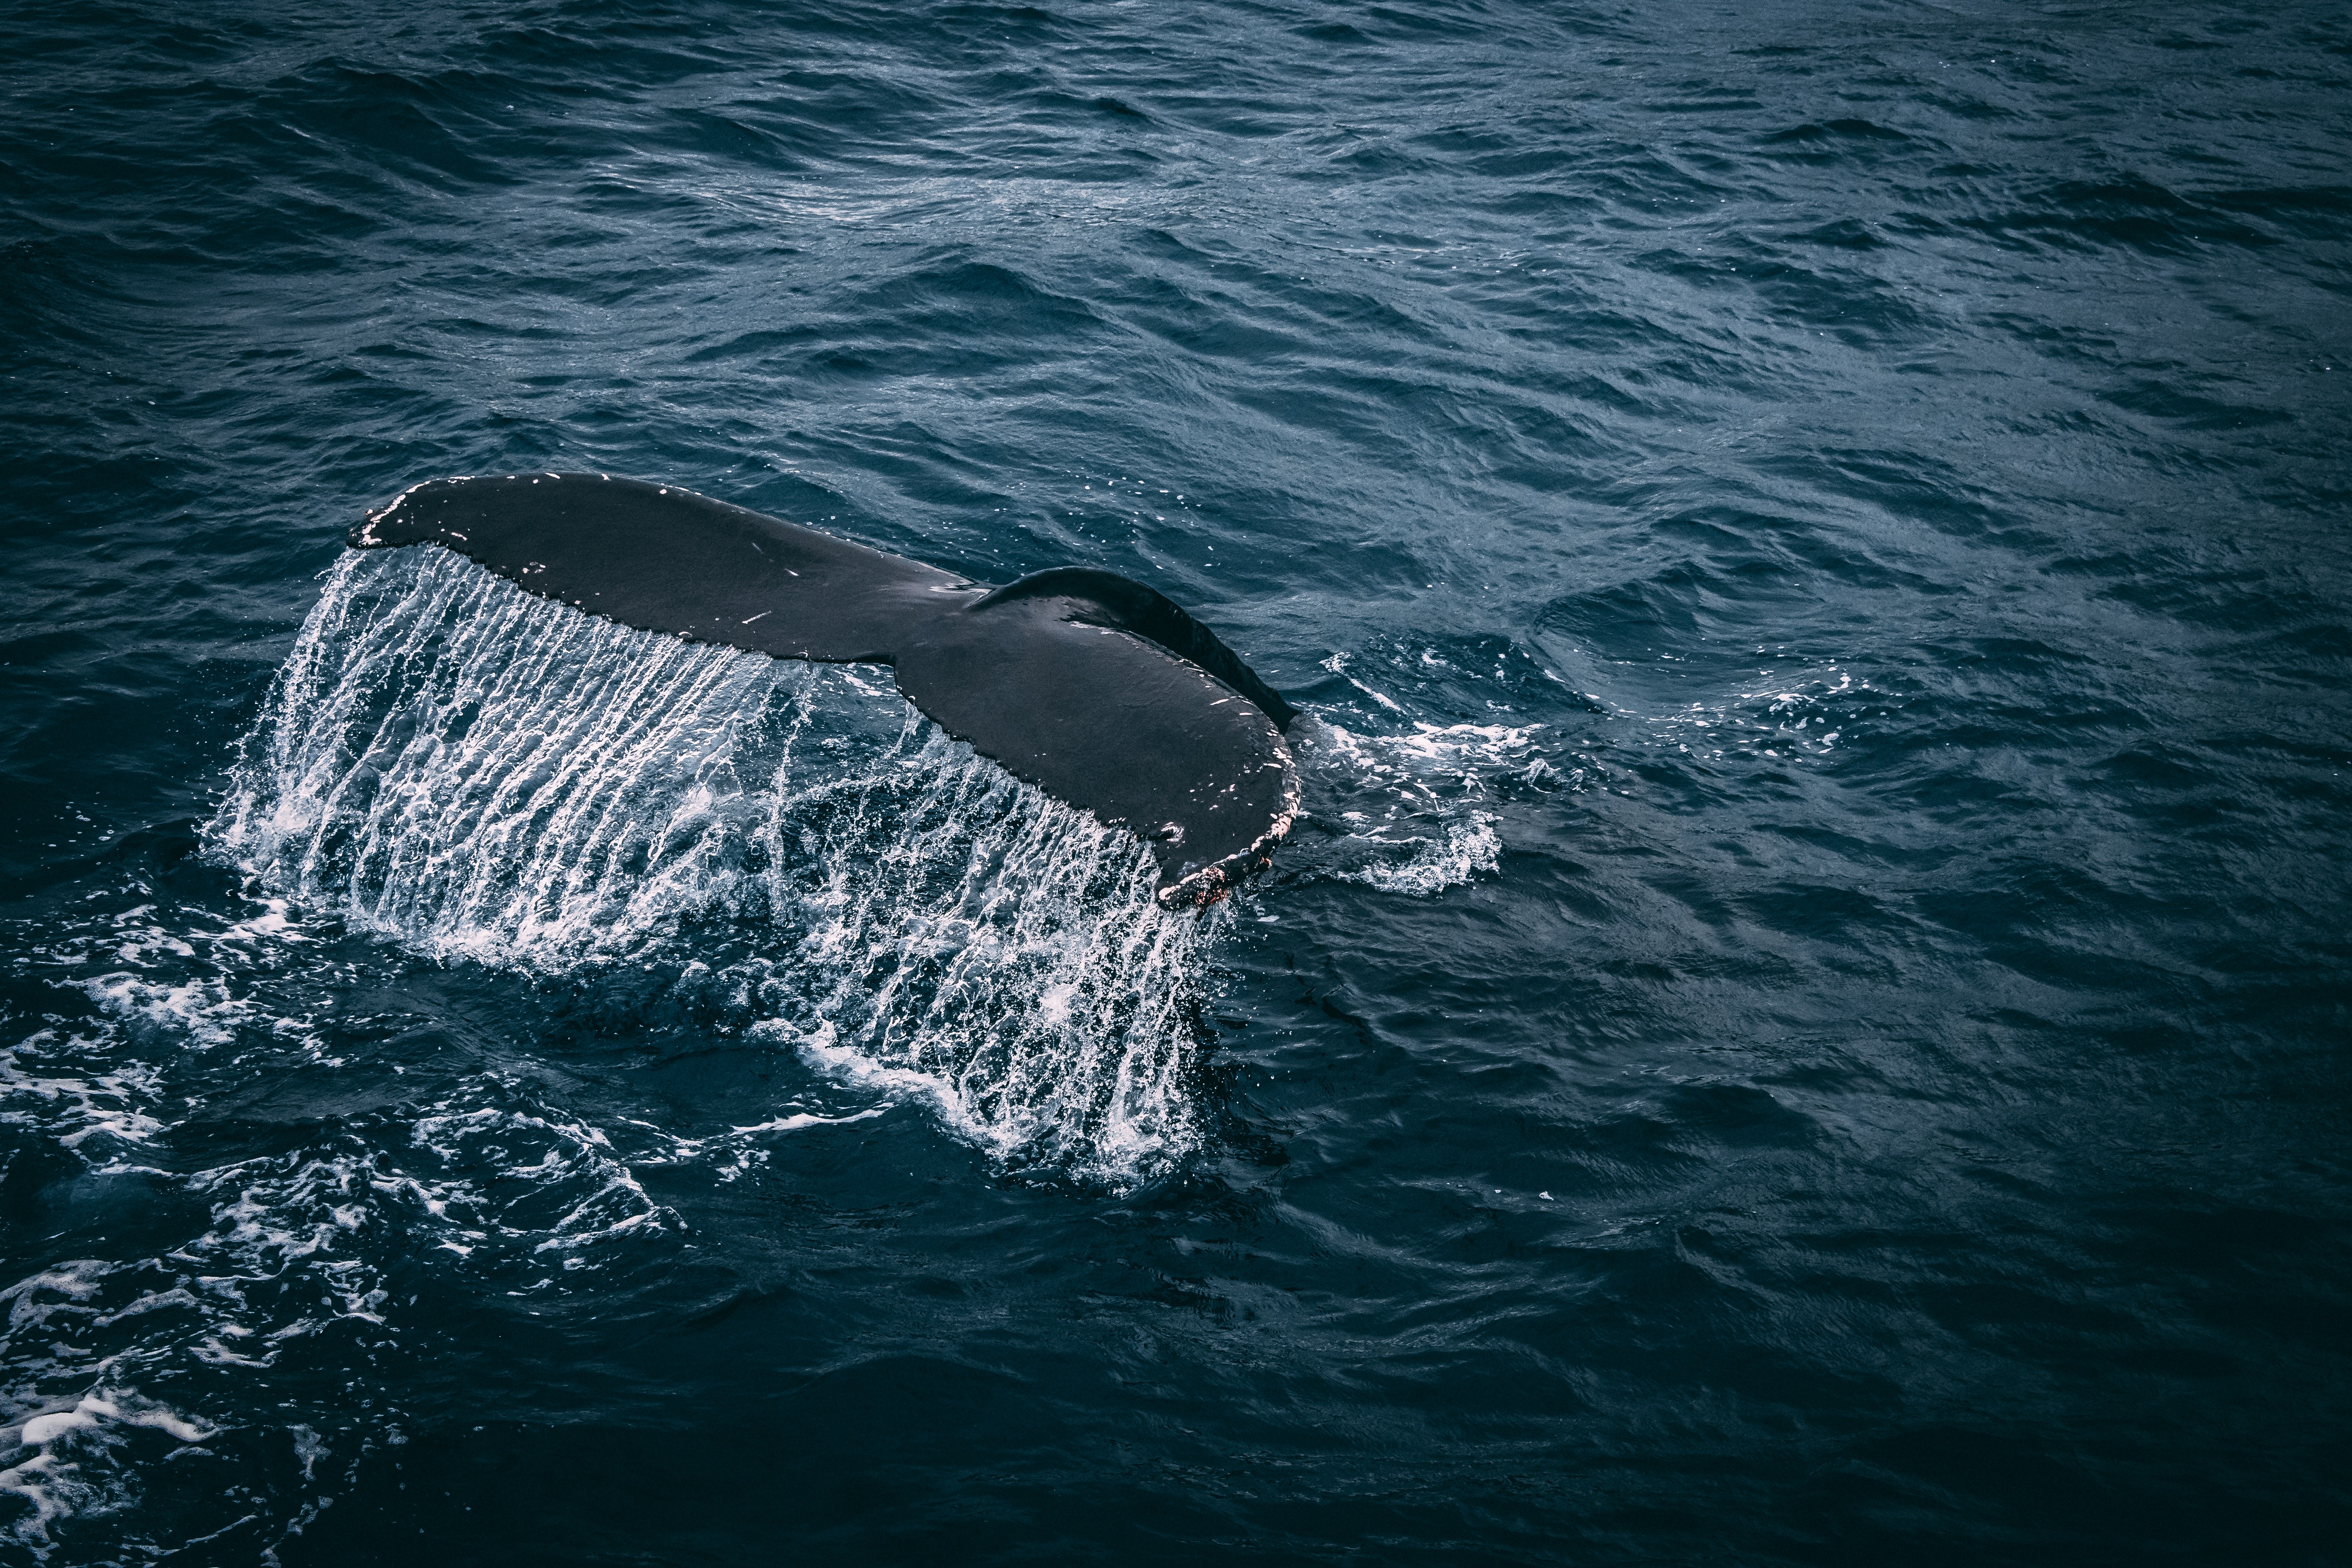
x,y
1091,685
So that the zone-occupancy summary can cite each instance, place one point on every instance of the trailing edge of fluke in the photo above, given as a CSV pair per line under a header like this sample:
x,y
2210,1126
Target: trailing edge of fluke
x,y
1094,687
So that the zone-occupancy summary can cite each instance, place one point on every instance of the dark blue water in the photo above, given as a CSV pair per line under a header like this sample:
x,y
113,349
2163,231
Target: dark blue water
x,y
1805,1022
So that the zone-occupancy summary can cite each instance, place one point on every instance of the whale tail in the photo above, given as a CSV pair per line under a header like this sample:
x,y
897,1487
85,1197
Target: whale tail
x,y
1093,687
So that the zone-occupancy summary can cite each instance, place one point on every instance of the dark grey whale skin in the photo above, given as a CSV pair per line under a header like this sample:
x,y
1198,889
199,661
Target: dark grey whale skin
x,y
1089,685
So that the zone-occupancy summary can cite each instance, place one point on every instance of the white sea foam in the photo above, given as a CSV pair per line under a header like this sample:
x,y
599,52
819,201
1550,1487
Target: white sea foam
x,y
485,776
116,1101
488,1181
67,1418
1415,811
1423,759
1465,850
69,1461
1410,812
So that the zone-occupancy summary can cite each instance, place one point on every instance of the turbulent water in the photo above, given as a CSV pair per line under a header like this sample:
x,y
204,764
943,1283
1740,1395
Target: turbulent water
x,y
1805,1020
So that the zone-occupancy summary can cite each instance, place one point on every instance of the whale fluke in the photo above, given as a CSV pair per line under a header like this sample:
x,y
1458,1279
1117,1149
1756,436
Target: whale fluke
x,y
1092,687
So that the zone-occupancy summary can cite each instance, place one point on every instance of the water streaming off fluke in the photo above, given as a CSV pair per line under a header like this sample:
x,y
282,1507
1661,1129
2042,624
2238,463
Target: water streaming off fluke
x,y
486,776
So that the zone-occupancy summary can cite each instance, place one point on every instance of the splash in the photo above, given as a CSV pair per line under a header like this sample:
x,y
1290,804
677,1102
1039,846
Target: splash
x,y
486,776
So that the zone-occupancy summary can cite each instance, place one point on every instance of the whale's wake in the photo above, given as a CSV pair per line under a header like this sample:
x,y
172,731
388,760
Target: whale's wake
x,y
483,775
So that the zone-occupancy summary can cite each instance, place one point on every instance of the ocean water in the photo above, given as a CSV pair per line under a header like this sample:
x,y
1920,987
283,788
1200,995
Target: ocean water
x,y
1805,1020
